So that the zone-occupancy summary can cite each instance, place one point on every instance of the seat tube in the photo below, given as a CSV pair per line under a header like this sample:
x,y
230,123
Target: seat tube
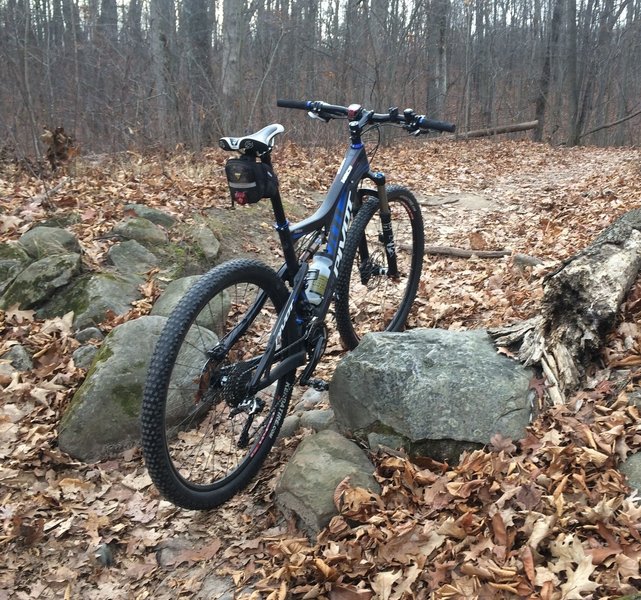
x,y
285,235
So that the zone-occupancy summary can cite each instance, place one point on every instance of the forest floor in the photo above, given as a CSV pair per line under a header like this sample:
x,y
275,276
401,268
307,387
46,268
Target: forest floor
x,y
546,517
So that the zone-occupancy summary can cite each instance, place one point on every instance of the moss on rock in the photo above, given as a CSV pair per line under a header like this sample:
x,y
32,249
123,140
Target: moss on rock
x,y
37,282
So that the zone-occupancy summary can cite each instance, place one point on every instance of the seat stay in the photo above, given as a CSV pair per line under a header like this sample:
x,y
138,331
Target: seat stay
x,y
256,143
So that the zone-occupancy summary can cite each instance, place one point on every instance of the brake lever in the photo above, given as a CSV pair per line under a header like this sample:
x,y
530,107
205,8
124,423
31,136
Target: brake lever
x,y
313,115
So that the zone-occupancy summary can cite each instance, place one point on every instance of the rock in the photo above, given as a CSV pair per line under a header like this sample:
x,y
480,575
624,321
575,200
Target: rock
x,y
92,297
169,551
631,468
18,357
211,319
90,333
309,481
442,391
378,440
83,356
131,257
151,214
103,417
13,259
207,241
318,420
6,369
36,283
45,241
311,398
216,587
141,230
289,427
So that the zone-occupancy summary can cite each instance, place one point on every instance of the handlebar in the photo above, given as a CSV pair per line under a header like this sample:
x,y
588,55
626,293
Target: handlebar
x,y
426,123
408,119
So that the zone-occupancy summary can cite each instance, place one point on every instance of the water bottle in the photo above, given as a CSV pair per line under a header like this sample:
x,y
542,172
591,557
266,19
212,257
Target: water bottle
x,y
317,278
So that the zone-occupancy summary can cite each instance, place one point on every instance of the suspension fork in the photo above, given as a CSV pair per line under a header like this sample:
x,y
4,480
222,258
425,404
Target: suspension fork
x,y
386,223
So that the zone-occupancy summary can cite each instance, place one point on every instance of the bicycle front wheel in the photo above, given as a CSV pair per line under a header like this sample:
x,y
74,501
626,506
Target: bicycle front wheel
x,y
367,297
203,436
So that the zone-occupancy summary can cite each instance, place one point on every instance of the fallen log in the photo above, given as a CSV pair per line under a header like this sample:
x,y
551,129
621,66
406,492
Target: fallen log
x,y
464,253
581,301
495,130
522,259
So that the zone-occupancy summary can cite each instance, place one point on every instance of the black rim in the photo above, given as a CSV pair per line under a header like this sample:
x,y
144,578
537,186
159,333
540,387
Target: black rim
x,y
212,428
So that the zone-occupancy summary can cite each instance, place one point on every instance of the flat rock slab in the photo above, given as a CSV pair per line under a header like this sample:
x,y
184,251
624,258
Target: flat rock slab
x,y
309,481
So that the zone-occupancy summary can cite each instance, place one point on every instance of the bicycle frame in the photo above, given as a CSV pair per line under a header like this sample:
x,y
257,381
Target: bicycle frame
x,y
331,221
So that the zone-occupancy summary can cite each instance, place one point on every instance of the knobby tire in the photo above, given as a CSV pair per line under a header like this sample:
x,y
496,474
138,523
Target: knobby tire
x,y
367,301
190,398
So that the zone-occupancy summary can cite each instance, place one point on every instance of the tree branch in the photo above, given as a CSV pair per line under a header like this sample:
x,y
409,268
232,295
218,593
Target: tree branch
x,y
613,124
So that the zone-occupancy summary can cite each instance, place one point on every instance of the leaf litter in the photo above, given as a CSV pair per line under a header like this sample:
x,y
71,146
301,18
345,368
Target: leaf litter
x,y
549,516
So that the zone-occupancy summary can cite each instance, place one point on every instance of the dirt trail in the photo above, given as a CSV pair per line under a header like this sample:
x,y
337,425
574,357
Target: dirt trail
x,y
57,513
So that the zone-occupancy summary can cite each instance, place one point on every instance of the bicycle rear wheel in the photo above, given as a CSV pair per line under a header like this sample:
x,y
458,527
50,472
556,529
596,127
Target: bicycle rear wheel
x,y
367,299
203,437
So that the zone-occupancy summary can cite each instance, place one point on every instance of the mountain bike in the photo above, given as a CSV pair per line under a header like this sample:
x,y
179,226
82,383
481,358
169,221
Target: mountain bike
x,y
223,369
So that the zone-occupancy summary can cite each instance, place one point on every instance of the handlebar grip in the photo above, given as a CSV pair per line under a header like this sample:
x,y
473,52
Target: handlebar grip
x,y
436,125
301,104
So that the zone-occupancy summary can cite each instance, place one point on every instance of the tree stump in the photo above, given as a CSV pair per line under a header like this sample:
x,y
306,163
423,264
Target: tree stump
x,y
581,301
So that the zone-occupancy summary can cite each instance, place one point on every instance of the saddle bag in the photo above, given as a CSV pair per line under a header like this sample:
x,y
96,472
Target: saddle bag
x,y
249,180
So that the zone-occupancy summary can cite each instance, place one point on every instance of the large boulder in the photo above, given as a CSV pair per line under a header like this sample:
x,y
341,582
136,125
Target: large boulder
x,y
45,241
154,215
13,259
321,461
212,319
207,242
141,230
38,282
93,296
434,392
103,417
131,257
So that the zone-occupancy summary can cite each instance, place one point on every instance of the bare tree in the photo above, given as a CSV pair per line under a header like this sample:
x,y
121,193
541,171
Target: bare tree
x,y
162,22
168,71
544,85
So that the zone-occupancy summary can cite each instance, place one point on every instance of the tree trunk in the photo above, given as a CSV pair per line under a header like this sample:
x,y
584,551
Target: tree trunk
x,y
231,75
544,84
572,70
437,59
580,305
162,39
